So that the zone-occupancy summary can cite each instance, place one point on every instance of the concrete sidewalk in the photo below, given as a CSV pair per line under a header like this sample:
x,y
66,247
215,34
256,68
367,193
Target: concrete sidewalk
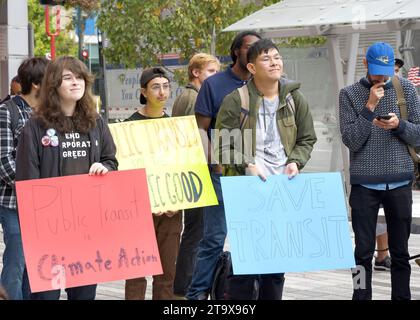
x,y
323,285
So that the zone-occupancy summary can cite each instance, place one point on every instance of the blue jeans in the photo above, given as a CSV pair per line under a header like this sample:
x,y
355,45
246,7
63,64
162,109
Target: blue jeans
x,y
211,246
13,258
191,236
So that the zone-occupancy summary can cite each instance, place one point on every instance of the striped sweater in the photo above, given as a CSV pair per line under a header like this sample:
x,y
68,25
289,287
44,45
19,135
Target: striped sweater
x,y
378,155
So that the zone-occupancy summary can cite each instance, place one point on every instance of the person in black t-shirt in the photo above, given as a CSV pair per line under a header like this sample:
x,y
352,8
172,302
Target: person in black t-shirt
x,y
66,136
155,90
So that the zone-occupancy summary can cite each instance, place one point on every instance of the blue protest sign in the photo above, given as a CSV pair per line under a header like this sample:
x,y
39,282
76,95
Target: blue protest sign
x,y
284,225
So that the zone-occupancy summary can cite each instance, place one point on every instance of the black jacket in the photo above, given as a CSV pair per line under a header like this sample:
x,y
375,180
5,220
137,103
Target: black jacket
x,y
34,161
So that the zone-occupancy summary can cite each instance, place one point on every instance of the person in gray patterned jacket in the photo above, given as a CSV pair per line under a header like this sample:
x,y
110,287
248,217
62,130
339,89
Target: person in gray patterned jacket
x,y
381,169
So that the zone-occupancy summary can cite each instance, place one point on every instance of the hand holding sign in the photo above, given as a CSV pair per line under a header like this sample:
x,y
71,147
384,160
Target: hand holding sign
x,y
97,169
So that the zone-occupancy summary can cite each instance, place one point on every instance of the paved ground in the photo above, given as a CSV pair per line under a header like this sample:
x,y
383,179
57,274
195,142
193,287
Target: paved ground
x,y
325,285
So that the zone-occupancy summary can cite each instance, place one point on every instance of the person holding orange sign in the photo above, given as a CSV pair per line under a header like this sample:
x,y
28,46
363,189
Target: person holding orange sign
x,y
65,137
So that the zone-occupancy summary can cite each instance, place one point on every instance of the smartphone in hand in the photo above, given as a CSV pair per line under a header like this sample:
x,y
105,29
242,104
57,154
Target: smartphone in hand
x,y
383,117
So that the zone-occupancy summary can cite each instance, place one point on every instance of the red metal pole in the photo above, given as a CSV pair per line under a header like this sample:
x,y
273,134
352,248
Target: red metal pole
x,y
52,47
57,28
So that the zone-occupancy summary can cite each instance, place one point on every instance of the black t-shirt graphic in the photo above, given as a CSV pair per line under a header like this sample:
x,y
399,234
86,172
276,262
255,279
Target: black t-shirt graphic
x,y
75,152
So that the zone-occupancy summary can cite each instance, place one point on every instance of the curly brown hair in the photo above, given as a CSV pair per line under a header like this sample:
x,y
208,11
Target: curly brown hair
x,y
49,111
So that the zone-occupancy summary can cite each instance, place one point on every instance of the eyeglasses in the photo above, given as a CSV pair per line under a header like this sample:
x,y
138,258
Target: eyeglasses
x,y
157,87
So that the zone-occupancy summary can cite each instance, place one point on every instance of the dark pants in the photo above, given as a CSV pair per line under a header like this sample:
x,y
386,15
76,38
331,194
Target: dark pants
x,y
168,232
191,236
76,293
271,286
397,205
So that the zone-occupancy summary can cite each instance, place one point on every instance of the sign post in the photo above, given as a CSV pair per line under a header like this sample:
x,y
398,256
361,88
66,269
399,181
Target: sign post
x,y
57,27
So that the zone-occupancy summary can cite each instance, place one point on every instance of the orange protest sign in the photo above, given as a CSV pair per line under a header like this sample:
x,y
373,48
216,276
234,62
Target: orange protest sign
x,y
80,230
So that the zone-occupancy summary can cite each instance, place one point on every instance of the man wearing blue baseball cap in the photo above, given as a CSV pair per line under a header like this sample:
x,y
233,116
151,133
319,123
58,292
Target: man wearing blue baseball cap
x,y
381,168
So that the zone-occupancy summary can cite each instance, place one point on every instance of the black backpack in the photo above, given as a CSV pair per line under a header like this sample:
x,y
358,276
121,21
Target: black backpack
x,y
227,286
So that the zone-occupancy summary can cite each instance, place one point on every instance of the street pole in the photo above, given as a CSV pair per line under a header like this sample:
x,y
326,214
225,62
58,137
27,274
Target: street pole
x,y
102,76
30,40
57,28
79,32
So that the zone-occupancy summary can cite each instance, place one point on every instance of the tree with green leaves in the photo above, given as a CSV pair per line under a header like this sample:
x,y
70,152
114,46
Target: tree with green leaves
x,y
86,5
139,31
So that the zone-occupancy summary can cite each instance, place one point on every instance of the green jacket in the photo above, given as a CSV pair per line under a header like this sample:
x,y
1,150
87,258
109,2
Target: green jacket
x,y
184,104
296,129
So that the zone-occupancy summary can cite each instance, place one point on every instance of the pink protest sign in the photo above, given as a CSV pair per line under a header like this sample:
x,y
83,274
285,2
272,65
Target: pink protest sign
x,y
80,230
